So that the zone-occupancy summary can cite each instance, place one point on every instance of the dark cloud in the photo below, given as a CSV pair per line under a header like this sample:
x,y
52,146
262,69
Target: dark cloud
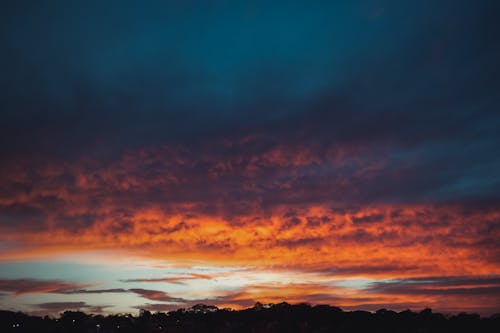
x,y
157,295
157,307
446,285
368,218
175,279
60,306
26,215
294,243
27,286
416,88
57,307
385,268
94,291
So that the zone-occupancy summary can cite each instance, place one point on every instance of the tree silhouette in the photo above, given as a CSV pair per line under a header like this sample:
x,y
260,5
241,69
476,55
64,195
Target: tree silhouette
x,y
282,317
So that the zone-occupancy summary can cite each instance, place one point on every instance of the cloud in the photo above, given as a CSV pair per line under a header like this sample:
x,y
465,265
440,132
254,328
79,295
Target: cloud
x,y
32,286
57,307
157,295
20,287
445,285
374,269
157,307
175,279
60,306
465,293
94,291
368,218
402,240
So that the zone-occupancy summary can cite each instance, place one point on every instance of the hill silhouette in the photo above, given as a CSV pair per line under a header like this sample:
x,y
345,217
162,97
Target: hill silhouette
x,y
282,317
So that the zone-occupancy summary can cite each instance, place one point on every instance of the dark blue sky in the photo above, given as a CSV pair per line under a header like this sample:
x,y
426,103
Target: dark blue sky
x,y
102,77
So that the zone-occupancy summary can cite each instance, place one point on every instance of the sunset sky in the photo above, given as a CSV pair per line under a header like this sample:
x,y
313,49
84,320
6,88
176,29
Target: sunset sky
x,y
159,154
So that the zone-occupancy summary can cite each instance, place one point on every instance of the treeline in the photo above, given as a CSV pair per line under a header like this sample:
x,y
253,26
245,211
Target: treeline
x,y
281,317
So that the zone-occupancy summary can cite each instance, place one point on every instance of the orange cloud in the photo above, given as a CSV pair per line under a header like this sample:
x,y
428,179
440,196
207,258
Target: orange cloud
x,y
278,208
404,240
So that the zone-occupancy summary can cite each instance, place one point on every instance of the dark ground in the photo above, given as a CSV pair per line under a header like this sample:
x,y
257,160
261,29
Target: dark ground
x,y
281,317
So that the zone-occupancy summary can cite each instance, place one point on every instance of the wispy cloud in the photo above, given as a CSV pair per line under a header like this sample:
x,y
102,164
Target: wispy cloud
x,y
29,286
57,307
181,279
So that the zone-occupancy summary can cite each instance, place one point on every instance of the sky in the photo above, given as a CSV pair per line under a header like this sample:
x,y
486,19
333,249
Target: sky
x,y
160,154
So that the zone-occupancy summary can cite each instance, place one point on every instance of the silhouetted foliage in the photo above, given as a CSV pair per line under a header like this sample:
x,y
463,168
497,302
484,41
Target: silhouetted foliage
x,y
282,317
